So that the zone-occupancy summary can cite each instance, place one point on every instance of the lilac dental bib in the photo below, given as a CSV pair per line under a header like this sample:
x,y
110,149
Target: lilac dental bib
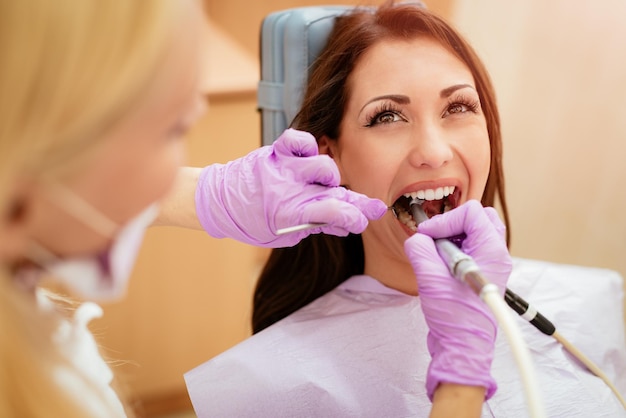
x,y
360,351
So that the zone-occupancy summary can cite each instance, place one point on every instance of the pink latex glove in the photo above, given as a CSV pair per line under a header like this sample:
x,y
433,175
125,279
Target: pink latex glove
x,y
278,186
462,329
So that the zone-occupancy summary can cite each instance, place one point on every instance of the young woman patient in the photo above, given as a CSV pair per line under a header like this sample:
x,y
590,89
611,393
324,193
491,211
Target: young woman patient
x,y
372,325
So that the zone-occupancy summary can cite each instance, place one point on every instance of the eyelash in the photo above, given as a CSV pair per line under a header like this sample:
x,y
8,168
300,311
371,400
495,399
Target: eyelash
x,y
383,109
461,100
389,108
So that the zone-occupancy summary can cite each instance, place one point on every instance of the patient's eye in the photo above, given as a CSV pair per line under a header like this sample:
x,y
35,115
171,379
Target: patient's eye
x,y
461,104
384,114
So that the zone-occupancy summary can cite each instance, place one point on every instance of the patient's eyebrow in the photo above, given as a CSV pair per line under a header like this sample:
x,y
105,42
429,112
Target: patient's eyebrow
x,y
398,98
449,90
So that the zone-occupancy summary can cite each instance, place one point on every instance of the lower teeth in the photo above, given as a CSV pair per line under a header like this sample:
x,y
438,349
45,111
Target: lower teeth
x,y
407,219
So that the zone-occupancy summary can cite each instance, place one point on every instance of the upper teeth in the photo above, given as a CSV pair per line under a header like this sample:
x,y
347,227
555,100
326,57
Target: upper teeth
x,y
431,194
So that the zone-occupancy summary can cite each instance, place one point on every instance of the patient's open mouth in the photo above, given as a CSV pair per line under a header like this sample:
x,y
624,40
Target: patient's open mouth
x,y
436,201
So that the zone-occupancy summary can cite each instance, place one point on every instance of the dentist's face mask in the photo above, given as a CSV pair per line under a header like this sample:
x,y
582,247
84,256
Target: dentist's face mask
x,y
101,276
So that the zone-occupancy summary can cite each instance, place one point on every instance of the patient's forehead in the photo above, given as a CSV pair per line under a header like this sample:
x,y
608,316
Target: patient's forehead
x,y
393,65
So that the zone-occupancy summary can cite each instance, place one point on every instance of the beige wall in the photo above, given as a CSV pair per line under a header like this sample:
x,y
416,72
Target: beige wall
x,y
558,71
559,68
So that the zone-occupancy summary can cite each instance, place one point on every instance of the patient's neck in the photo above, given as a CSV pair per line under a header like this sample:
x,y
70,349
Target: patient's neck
x,y
394,272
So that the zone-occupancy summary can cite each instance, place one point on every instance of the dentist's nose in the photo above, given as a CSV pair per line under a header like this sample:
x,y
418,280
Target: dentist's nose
x,y
430,148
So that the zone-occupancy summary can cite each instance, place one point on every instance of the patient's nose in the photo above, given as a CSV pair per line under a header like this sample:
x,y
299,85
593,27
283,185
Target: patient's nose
x,y
430,147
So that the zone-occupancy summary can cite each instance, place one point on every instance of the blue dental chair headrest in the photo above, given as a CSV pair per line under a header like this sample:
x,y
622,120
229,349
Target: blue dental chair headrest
x,y
291,40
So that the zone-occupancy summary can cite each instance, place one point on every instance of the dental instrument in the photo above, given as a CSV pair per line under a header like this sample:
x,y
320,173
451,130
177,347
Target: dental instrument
x,y
301,227
532,315
465,269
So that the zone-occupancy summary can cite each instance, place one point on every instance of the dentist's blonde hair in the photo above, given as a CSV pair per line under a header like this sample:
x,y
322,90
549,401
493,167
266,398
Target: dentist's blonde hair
x,y
69,70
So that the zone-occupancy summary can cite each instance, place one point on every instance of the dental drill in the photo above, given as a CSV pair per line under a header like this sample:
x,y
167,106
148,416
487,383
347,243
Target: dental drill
x,y
461,265
464,268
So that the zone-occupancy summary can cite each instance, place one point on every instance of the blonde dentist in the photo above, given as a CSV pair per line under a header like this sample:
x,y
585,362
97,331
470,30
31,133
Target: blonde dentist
x,y
96,97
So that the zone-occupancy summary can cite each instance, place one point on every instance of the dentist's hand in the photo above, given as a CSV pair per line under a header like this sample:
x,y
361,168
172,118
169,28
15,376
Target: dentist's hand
x,y
279,186
462,329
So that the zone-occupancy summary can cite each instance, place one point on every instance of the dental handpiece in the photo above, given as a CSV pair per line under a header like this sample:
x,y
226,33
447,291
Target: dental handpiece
x,y
461,265
464,268
467,271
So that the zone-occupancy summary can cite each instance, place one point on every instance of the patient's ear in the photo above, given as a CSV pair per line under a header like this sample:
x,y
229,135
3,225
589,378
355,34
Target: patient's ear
x,y
330,147
327,146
